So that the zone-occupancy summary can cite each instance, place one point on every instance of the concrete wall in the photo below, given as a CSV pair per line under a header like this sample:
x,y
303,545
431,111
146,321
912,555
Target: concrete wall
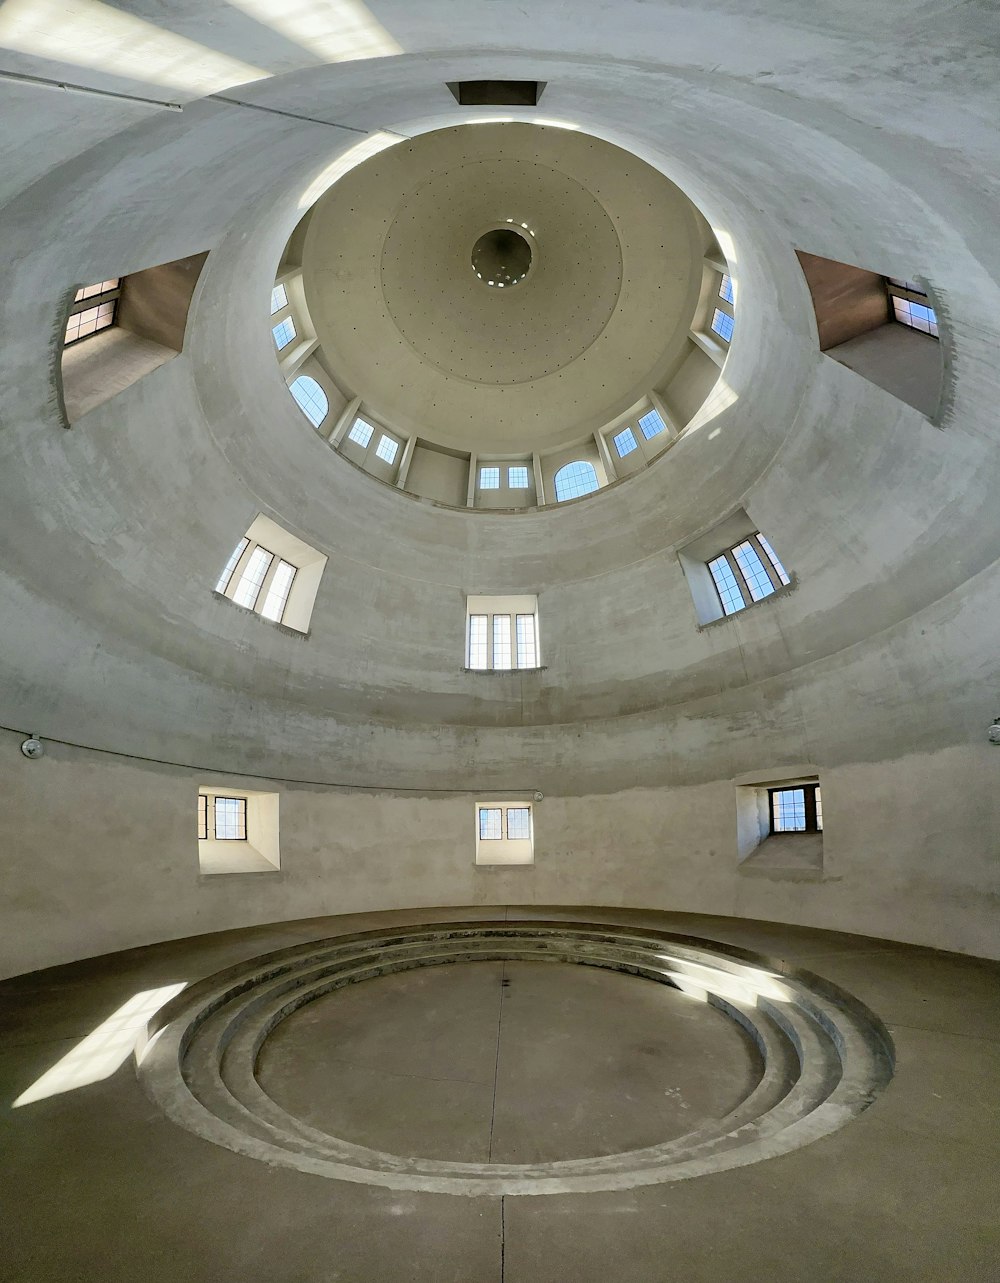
x,y
880,667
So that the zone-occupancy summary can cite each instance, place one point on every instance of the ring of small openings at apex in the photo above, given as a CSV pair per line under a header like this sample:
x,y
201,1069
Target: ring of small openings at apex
x,y
501,258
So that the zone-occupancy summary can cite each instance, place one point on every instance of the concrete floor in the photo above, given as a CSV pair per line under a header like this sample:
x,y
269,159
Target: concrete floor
x,y
559,1061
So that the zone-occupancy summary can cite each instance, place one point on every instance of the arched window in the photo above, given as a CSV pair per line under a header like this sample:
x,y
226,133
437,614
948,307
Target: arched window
x,y
311,399
576,479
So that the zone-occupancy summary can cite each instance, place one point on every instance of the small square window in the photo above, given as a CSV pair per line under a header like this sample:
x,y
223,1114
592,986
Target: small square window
x,y
230,819
279,299
651,425
625,443
796,809
518,824
517,478
284,332
722,324
489,478
386,449
361,432
491,824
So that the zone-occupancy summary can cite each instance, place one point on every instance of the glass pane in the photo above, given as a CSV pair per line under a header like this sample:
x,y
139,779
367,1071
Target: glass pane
x,y
477,641
752,569
489,478
230,819
726,288
518,823
651,425
490,823
227,573
916,315
279,299
202,816
277,594
386,449
819,810
252,578
625,443
284,332
779,569
726,585
310,398
502,657
517,478
575,479
722,324
361,432
526,649
789,810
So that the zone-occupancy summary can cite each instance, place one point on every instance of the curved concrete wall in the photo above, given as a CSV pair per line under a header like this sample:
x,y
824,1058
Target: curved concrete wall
x,y
878,667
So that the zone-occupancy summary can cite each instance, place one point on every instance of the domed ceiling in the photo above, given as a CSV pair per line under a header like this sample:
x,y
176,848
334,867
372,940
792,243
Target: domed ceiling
x,y
592,315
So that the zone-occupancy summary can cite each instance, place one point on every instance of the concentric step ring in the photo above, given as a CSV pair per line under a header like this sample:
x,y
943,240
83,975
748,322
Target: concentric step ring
x,y
826,1057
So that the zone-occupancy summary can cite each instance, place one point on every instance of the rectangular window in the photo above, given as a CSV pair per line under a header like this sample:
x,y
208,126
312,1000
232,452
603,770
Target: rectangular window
x,y
284,332
491,824
478,625
517,478
360,432
279,299
918,316
755,576
489,478
726,288
502,656
230,819
202,817
527,650
722,324
386,449
651,425
625,442
277,594
90,321
231,565
248,589
727,585
91,291
518,824
797,809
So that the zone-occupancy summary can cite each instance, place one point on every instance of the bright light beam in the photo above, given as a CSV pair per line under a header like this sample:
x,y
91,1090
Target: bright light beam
x,y
335,30
102,1051
87,33
369,146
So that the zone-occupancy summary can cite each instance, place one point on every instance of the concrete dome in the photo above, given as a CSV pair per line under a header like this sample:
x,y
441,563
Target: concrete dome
x,y
876,671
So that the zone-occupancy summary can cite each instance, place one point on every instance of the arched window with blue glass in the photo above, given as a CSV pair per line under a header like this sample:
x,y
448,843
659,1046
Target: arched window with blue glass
x,y
310,398
576,479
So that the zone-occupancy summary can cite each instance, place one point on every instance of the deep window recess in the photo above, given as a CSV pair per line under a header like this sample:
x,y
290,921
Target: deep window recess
x,y
798,809
726,289
278,580
625,442
504,833
361,432
489,478
496,93
747,572
386,449
517,478
651,425
279,299
504,638
94,308
310,398
910,306
723,324
230,815
575,479
284,332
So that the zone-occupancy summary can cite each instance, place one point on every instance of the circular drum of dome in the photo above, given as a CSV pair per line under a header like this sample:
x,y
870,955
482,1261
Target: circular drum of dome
x,y
825,1056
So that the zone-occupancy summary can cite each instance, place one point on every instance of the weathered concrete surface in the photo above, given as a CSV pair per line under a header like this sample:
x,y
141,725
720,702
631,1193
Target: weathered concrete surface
x,y
904,1191
835,133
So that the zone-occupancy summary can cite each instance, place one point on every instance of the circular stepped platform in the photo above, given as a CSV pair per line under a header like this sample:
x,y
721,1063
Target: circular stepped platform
x,y
825,1056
